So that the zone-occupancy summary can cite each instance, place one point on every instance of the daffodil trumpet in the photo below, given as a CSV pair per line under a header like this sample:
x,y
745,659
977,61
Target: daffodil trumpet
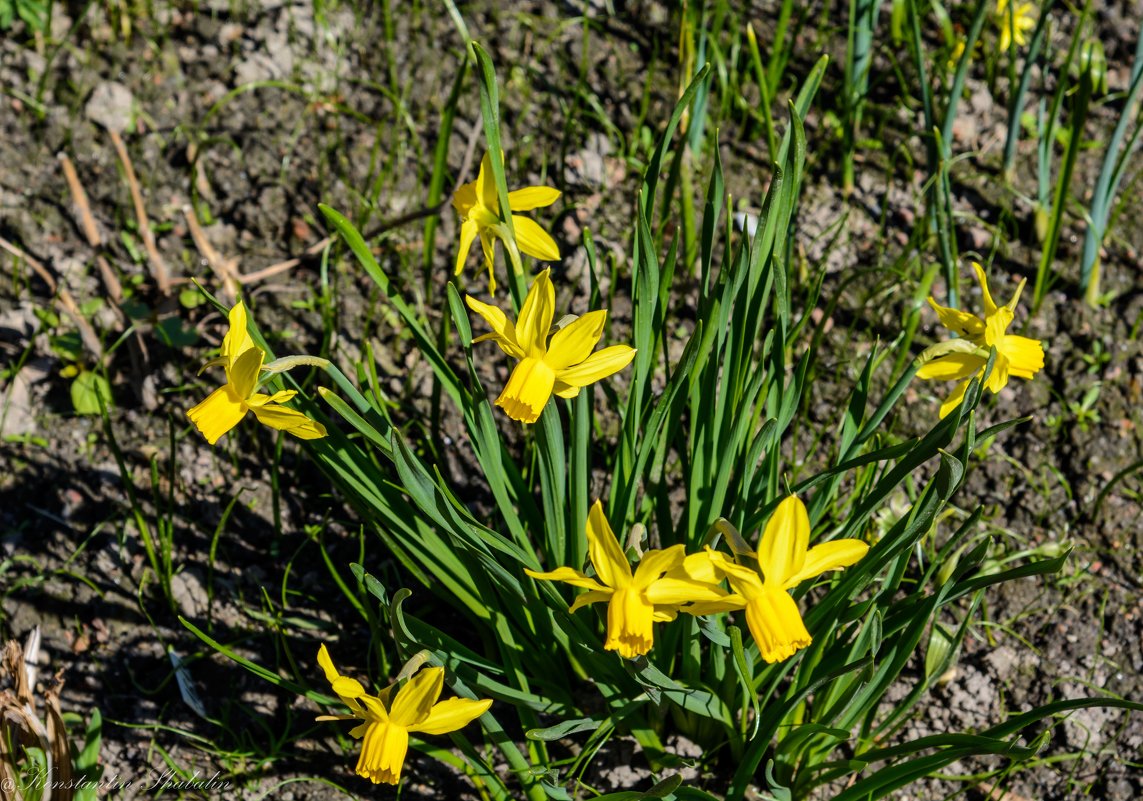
x,y
760,582
389,717
664,583
561,365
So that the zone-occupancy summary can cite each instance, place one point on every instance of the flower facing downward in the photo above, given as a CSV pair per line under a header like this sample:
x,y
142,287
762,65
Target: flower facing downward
x,y
785,560
563,365
224,408
1015,355
478,205
657,591
1015,22
390,716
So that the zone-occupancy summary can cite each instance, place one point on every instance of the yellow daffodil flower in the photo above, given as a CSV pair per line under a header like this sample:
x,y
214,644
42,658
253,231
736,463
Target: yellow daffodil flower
x,y
224,408
1015,22
1015,355
657,591
785,561
478,205
563,366
390,716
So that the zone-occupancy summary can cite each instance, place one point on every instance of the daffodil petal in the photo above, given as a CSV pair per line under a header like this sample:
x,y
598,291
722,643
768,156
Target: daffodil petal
x,y
464,198
486,185
565,390
534,240
503,331
383,753
728,603
535,320
573,343
568,576
782,549
289,420
450,715
954,400
657,562
603,548
221,411
281,396
590,597
598,365
532,197
825,556
989,304
468,231
326,663
243,372
957,321
630,623
416,698
237,340
952,366
678,591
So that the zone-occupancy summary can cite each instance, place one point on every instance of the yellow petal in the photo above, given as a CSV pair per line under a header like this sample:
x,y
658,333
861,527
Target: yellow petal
x,y
468,232
782,549
830,555
331,674
957,321
281,396
527,391
678,591
568,576
565,390
989,304
655,563
953,366
573,343
221,411
726,603
535,319
503,331
743,580
998,378
534,240
532,197
383,753
416,698
1025,356
603,548
289,420
347,688
450,715
237,340
487,244
630,623
698,567
590,597
242,374
954,400
486,185
776,624
598,365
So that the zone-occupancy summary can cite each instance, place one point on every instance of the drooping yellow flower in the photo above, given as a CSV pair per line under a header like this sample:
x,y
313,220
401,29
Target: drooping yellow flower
x,y
658,589
785,561
1015,355
224,408
563,366
390,716
478,205
1015,21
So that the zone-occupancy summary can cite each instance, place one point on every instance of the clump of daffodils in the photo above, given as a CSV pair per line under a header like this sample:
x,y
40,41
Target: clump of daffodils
x,y
964,359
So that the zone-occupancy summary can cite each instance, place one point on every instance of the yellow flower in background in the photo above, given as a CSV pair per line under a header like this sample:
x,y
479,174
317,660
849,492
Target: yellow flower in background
x,y
563,366
390,716
658,590
478,205
785,561
1015,355
224,408
1015,22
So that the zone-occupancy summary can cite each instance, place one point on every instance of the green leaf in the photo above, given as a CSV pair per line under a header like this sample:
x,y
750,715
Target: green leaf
x,y
90,393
